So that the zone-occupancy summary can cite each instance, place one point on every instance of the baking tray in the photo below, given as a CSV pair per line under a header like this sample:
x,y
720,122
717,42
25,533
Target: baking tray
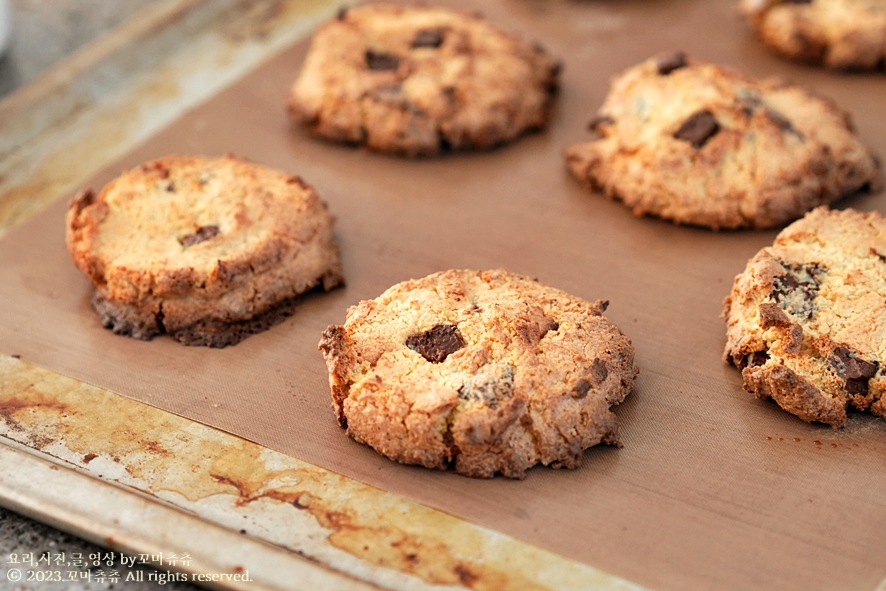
x,y
712,488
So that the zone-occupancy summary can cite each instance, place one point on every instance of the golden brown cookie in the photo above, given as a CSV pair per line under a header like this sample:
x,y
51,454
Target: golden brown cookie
x,y
806,321
700,144
845,34
417,81
481,371
208,250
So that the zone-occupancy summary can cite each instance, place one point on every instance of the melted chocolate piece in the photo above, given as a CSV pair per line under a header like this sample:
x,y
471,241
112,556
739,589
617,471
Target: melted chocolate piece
x,y
672,62
581,389
342,13
432,38
878,255
202,234
857,372
436,344
380,61
490,385
757,358
599,120
795,291
780,120
599,370
698,129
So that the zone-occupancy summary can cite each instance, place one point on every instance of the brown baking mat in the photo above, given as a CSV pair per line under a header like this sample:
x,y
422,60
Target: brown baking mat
x,y
712,490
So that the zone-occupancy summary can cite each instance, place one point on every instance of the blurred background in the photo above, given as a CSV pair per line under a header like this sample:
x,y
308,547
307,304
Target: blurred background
x,y
45,31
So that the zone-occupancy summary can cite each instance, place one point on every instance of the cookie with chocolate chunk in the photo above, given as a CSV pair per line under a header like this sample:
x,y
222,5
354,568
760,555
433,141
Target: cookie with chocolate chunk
x,y
207,250
479,371
806,320
700,144
418,81
843,34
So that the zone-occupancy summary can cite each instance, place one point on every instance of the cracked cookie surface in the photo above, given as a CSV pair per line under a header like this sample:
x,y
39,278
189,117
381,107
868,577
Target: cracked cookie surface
x,y
843,34
806,320
696,143
208,250
418,80
480,371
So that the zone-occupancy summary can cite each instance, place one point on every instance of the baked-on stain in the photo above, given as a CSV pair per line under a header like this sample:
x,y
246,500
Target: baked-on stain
x,y
163,453
669,63
202,234
698,129
380,61
436,344
432,38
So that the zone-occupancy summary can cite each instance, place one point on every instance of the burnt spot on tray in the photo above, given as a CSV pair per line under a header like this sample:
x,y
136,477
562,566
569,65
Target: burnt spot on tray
x,y
436,344
430,38
698,129
202,234
669,63
796,289
490,385
380,61
857,372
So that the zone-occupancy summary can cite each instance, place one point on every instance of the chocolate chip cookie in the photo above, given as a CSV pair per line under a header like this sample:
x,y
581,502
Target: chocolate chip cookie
x,y
480,371
207,250
845,34
701,144
417,81
806,320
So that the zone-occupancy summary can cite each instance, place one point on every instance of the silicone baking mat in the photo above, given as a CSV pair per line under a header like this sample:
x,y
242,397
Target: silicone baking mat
x,y
712,489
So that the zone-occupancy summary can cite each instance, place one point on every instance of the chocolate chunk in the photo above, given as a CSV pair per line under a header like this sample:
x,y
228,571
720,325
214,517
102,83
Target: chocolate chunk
x,y
857,372
170,188
202,234
698,129
490,385
780,120
432,38
381,61
436,344
878,255
795,291
851,367
757,358
672,62
599,370
582,387
600,120
342,13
